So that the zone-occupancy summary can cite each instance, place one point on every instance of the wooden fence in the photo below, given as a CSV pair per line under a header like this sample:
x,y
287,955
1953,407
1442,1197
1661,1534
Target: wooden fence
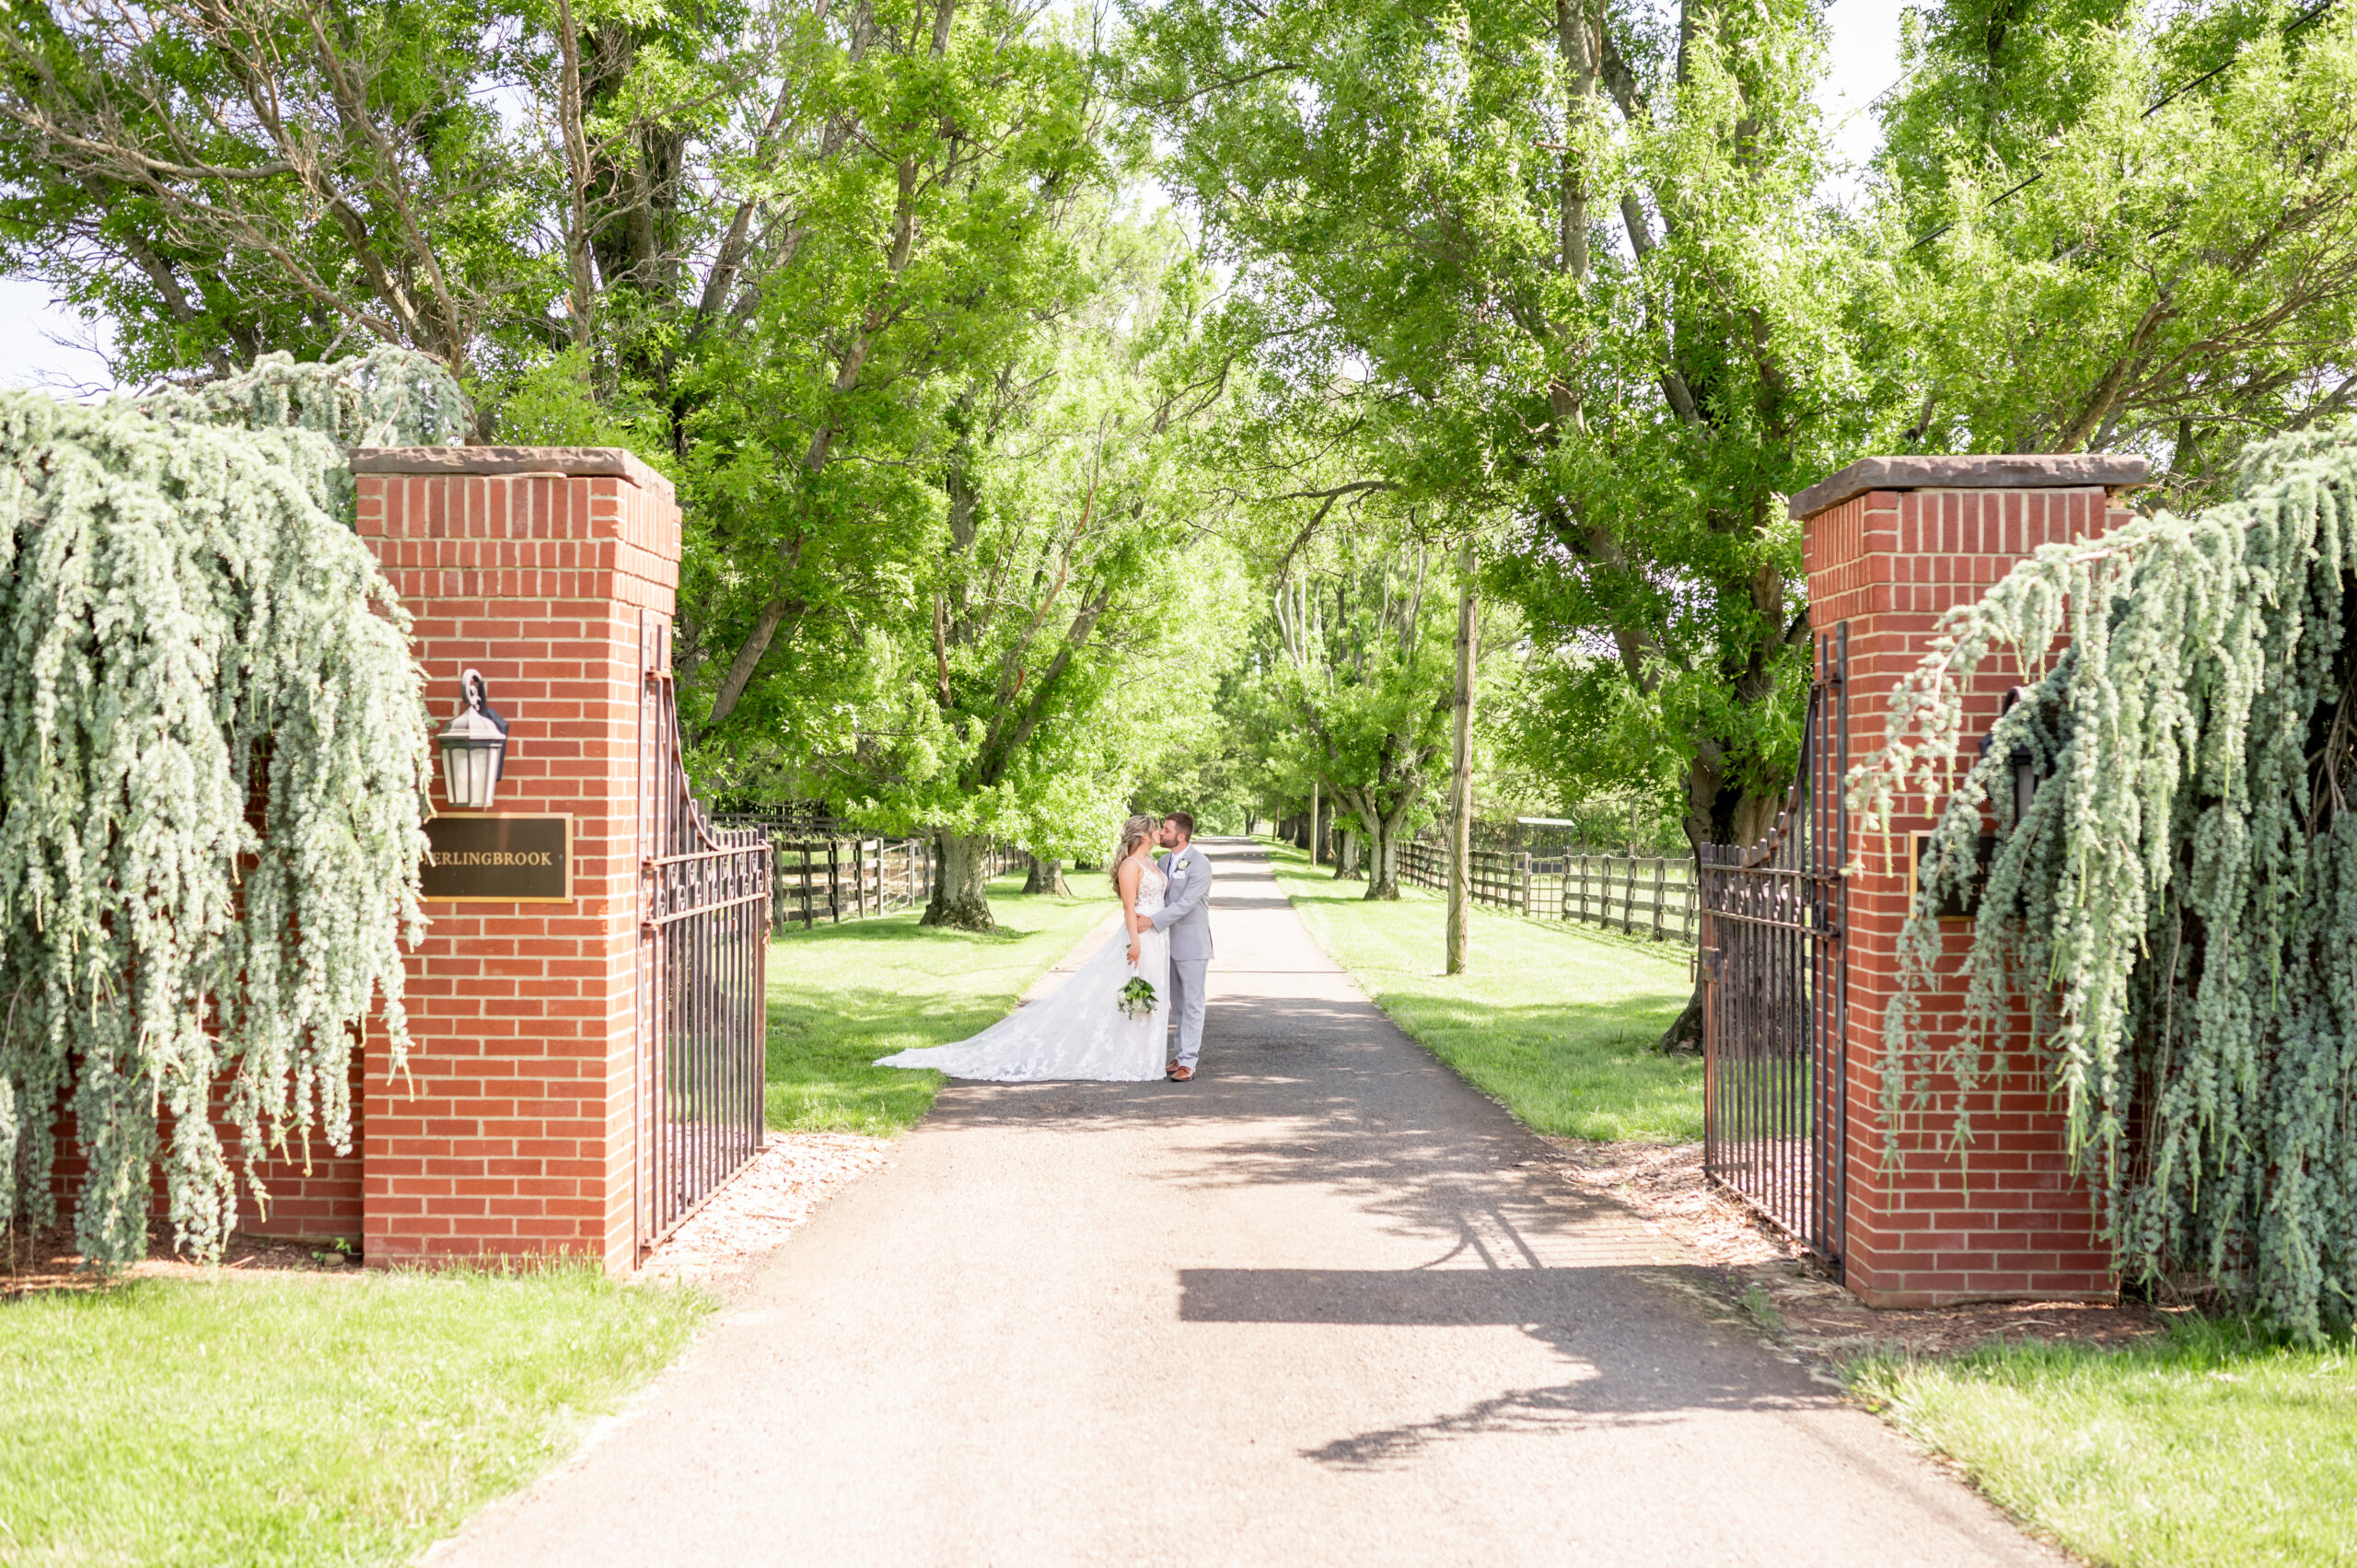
x,y
1649,894
835,878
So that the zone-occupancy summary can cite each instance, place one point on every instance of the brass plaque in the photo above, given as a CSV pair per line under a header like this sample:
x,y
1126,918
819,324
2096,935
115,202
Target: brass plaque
x,y
1952,906
499,860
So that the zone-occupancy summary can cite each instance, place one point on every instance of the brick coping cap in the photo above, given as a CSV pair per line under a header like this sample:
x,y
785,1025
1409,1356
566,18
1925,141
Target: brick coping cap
x,y
571,461
1999,470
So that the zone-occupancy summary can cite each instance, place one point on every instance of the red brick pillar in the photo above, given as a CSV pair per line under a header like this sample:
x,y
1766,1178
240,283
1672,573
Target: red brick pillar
x,y
549,570
1891,543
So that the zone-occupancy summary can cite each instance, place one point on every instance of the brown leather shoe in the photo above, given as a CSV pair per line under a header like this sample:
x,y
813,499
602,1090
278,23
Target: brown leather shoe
x,y
1180,1074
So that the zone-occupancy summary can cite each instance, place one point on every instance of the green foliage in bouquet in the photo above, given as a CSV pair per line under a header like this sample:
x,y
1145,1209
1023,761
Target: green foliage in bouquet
x,y
1136,999
2177,907
213,763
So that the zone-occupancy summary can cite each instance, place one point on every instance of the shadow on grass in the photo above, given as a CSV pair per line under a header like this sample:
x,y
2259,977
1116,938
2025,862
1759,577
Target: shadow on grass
x,y
901,926
864,1015
1009,907
839,996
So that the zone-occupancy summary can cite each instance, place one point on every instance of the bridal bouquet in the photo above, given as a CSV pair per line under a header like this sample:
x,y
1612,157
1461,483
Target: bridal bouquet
x,y
1136,999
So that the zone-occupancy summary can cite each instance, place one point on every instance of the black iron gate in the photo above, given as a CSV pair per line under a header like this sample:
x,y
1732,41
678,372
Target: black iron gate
x,y
703,950
1775,1117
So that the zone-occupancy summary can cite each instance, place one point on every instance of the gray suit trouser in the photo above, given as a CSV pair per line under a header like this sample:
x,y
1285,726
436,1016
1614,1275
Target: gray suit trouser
x,y
1188,978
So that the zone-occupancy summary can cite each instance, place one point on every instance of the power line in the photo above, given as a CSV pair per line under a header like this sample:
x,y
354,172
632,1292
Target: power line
x,y
2303,19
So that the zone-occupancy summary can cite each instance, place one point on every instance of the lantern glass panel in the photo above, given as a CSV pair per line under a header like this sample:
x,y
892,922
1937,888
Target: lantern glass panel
x,y
469,770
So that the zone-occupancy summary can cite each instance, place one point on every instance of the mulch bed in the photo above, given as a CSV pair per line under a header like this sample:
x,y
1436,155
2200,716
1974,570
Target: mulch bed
x,y
1806,1308
45,1259
763,1205
738,1226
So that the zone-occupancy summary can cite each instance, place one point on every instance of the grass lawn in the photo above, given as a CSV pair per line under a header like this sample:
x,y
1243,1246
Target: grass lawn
x,y
842,996
2213,1446
1557,1020
339,1420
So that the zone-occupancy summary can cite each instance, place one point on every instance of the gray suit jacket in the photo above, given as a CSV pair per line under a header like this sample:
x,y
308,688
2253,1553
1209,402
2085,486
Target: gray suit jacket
x,y
1186,910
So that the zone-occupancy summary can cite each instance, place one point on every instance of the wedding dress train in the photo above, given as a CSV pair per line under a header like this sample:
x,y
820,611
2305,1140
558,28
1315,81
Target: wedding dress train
x,y
1075,1031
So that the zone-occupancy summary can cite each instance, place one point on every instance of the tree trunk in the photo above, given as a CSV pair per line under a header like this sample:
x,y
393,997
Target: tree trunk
x,y
1346,855
1313,822
1717,812
1382,862
1684,1038
1460,777
1045,877
961,874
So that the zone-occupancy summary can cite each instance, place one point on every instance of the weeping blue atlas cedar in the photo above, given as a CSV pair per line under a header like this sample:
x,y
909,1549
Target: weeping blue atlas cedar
x,y
213,763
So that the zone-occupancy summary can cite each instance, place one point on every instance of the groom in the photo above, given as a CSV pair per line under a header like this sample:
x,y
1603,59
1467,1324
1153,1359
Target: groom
x,y
1185,914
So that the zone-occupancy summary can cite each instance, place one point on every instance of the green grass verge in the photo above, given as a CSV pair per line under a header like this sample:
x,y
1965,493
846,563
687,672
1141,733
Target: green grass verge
x,y
302,1421
842,996
2213,1446
1555,1020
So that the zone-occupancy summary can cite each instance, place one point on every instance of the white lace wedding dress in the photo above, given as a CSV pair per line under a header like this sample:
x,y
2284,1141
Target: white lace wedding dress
x,y
1075,1031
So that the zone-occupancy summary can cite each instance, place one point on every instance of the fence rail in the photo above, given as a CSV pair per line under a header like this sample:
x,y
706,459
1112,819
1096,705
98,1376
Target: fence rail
x,y
838,878
1652,895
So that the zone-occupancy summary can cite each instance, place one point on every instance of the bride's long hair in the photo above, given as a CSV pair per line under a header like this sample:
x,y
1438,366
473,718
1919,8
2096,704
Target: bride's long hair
x,y
1134,831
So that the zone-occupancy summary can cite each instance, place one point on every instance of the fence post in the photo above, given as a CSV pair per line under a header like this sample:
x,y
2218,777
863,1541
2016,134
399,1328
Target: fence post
x,y
1522,875
1660,881
777,888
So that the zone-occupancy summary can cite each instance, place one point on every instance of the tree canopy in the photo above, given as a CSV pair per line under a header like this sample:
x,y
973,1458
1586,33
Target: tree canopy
x,y
1575,281
1072,408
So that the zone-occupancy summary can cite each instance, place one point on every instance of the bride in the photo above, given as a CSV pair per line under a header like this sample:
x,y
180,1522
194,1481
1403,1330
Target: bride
x,y
1079,1031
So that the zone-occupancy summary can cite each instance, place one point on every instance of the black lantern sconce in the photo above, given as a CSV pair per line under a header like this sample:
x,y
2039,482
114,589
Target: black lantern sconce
x,y
2025,767
474,747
